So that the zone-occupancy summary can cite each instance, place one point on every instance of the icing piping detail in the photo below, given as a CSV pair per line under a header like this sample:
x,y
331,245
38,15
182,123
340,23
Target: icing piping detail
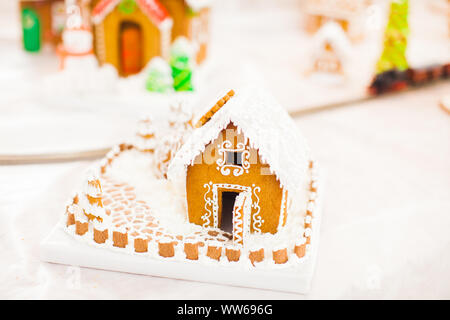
x,y
257,220
216,198
208,206
225,168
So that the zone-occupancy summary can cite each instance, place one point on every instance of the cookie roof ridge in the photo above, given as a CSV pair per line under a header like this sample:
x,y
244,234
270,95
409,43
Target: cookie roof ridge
x,y
211,112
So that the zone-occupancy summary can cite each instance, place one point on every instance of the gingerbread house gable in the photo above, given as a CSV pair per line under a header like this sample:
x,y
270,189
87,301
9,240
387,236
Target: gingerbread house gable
x,y
268,128
152,8
332,34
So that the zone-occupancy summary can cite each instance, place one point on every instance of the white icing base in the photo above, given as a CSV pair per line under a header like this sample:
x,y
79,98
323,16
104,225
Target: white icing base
x,y
167,205
60,247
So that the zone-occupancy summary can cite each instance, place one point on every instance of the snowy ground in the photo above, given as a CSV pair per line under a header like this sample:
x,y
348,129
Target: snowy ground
x,y
144,207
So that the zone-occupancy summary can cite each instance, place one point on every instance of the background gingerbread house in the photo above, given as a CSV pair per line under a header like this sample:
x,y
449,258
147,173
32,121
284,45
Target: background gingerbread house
x,y
331,49
129,33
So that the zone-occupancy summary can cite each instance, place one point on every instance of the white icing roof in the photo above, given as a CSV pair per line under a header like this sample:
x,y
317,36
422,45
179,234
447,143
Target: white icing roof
x,y
269,129
153,8
333,33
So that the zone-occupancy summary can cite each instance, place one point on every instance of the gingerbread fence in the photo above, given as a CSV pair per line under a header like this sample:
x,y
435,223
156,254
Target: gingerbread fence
x,y
141,233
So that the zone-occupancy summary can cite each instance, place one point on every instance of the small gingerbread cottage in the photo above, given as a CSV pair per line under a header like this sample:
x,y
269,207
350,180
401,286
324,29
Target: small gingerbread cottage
x,y
129,33
331,49
244,166
42,23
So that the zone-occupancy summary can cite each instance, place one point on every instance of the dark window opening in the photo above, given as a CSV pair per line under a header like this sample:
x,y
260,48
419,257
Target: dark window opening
x,y
226,221
234,158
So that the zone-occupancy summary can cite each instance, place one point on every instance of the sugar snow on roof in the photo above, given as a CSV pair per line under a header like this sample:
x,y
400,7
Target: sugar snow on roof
x,y
333,33
266,125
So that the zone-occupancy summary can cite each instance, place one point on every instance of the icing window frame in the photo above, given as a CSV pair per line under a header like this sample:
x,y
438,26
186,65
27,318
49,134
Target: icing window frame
x,y
233,160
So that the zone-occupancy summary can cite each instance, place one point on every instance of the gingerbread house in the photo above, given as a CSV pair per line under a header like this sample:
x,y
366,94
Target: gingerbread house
x,y
348,13
129,33
241,192
42,23
331,49
243,166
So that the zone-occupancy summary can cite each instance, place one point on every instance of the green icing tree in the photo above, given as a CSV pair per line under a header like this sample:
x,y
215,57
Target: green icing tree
x,y
31,30
180,62
395,38
127,6
159,76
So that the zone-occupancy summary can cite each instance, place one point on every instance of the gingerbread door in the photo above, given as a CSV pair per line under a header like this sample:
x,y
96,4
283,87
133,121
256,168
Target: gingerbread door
x,y
130,48
31,29
241,217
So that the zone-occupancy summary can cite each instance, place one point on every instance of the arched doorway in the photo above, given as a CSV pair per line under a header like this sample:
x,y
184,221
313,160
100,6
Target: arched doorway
x,y
130,48
31,29
228,199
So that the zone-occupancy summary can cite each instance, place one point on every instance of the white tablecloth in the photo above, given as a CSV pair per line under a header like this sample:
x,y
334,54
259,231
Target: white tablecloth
x,y
385,228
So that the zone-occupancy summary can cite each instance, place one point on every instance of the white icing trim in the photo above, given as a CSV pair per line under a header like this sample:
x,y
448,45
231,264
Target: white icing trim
x,y
166,37
224,168
206,217
241,217
257,220
215,188
283,210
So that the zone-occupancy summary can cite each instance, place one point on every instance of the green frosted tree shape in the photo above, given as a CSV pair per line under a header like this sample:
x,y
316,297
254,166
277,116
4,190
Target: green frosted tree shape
x,y
180,62
395,38
159,77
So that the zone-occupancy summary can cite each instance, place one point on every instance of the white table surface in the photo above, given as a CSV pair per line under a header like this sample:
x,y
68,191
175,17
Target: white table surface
x,y
386,220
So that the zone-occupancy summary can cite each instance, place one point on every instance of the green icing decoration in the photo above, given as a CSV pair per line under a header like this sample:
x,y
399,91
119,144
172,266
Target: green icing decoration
x,y
158,82
191,13
31,29
127,6
181,71
395,38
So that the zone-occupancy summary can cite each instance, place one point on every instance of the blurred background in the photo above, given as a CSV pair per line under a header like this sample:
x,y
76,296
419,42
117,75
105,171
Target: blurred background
x,y
277,44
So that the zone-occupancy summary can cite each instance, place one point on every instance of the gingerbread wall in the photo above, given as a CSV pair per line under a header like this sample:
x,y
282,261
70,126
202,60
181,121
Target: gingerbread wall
x,y
178,11
205,176
204,16
184,20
